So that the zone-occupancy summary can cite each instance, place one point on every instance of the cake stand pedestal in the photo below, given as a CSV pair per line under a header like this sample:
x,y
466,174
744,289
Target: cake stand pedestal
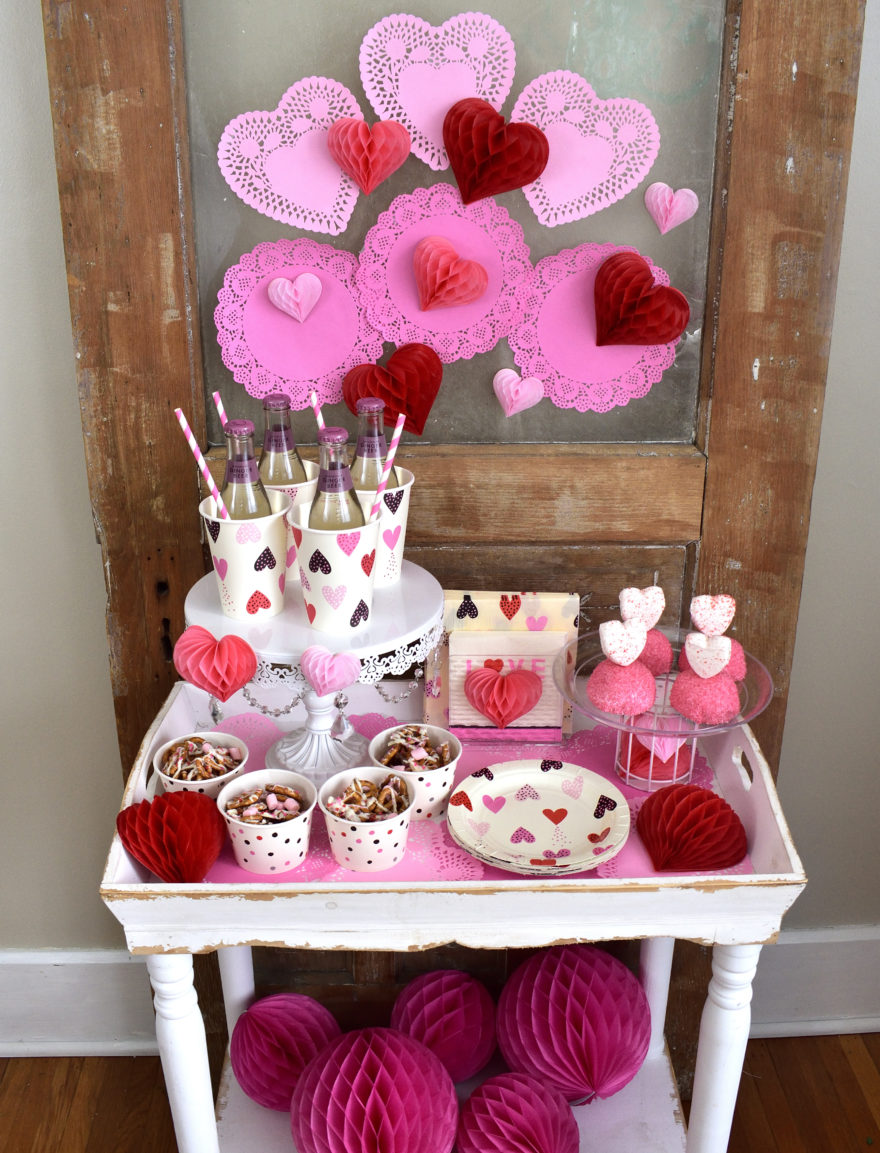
x,y
406,625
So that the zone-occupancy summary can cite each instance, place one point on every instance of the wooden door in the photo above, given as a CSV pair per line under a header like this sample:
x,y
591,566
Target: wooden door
x,y
727,512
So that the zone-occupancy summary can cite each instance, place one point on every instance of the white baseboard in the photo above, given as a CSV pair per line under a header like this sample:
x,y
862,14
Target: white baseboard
x,y
75,1003
815,981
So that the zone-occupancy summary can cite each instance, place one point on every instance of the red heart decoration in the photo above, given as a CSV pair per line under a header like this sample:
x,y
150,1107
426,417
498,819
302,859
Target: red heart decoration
x,y
310,612
221,667
502,697
178,836
367,562
444,278
489,156
461,799
495,663
408,383
557,816
257,601
510,605
368,155
631,308
687,828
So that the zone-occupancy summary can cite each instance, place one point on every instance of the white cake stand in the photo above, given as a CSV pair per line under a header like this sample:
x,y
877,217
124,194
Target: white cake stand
x,y
406,625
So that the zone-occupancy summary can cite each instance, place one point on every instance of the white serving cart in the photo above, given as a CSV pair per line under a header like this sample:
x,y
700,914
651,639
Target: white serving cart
x,y
734,913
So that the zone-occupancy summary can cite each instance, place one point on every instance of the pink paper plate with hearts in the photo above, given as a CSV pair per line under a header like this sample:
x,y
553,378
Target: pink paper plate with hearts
x,y
278,162
600,150
556,339
266,349
482,232
539,817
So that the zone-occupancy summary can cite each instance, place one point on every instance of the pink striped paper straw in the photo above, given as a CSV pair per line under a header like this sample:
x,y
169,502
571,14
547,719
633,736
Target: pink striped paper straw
x,y
389,461
202,463
316,409
221,411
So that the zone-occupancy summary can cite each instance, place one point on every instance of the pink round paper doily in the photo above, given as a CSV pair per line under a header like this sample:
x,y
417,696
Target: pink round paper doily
x,y
268,351
556,339
484,232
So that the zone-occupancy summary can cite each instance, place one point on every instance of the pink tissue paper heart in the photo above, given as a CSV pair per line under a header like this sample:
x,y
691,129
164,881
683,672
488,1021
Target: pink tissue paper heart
x,y
329,672
622,641
515,394
664,747
368,155
668,209
443,278
278,162
643,605
707,655
713,614
600,150
296,297
413,72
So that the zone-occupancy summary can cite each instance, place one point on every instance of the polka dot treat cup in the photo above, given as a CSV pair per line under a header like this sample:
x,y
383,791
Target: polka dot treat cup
x,y
430,788
364,846
249,558
272,848
393,514
300,495
210,787
336,571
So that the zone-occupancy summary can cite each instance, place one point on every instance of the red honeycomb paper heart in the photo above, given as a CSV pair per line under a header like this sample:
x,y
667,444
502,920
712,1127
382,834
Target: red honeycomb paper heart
x,y
686,828
178,836
368,155
631,308
221,667
408,383
502,697
489,156
444,278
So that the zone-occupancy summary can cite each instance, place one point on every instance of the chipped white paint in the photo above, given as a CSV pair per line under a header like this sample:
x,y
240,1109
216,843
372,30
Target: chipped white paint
x,y
789,166
794,70
756,368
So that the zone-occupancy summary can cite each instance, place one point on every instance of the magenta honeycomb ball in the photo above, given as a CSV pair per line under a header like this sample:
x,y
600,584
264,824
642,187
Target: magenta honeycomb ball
x,y
516,1113
274,1040
453,1014
577,1019
374,1091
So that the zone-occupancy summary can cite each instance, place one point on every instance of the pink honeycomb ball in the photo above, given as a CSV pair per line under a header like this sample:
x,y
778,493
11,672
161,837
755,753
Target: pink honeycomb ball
x,y
453,1014
274,1040
517,1113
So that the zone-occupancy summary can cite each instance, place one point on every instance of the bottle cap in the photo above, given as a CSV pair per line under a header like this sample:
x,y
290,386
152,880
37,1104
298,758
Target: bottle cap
x,y
332,435
370,404
239,428
276,401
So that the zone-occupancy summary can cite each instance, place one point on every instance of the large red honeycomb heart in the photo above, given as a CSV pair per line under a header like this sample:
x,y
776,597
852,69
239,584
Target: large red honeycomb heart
x,y
489,156
178,836
631,308
408,383
686,828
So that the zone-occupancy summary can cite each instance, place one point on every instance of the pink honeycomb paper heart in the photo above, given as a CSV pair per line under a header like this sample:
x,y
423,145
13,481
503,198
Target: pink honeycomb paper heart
x,y
412,72
515,394
278,162
667,208
329,672
600,150
296,297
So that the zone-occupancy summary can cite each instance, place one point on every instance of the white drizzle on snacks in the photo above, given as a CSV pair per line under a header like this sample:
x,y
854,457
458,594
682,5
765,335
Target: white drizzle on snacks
x,y
409,748
367,801
266,806
196,759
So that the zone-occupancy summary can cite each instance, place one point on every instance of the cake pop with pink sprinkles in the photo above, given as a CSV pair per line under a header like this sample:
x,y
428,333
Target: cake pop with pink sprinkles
x,y
621,683
646,606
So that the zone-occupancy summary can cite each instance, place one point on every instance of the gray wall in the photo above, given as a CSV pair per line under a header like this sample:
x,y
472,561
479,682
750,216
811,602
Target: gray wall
x,y
58,746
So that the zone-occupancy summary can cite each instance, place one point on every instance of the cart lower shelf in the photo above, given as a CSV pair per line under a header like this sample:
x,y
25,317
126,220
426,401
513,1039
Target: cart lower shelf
x,y
645,1115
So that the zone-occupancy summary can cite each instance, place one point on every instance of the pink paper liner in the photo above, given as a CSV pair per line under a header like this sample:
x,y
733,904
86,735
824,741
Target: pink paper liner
x,y
453,1015
274,1040
374,1089
576,1018
517,1113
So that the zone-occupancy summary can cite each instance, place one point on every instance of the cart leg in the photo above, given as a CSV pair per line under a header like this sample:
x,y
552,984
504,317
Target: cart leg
x,y
655,968
237,978
180,1032
724,1033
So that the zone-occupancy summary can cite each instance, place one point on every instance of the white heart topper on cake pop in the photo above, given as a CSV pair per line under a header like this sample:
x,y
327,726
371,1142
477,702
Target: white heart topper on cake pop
x,y
707,655
329,672
515,394
643,605
622,641
712,614
296,297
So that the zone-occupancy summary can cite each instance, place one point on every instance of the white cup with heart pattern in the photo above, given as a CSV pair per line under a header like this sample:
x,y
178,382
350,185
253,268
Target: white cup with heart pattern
x,y
300,494
249,559
336,572
393,514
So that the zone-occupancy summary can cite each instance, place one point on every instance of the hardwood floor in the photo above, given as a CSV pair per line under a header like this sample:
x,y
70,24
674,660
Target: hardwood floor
x,y
797,1095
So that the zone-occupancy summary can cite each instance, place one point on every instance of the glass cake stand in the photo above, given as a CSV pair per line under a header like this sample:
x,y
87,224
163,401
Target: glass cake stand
x,y
406,625
659,747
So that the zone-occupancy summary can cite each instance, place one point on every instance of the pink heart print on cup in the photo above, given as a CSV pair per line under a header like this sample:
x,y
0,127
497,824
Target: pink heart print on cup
x,y
668,209
413,72
707,655
329,672
391,536
247,533
333,596
295,297
600,150
643,605
348,541
622,641
713,614
515,394
278,162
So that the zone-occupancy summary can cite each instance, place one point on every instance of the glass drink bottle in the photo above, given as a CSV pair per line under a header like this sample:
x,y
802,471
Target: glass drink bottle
x,y
280,462
336,505
242,491
371,449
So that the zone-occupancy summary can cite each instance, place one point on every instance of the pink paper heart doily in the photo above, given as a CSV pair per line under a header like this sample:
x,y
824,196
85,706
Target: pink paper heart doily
x,y
600,150
278,162
265,351
413,72
483,232
556,339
